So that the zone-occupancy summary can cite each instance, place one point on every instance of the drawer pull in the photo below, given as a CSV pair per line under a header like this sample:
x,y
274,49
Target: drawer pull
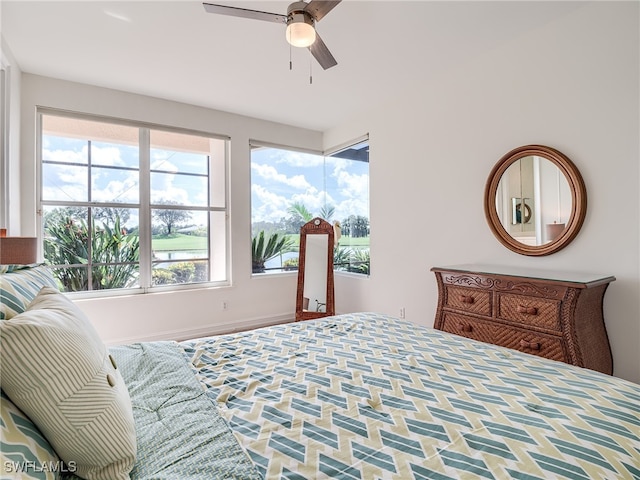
x,y
531,345
468,299
527,310
465,327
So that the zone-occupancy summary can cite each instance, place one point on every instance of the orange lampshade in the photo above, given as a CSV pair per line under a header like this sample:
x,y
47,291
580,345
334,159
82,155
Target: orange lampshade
x,y
18,250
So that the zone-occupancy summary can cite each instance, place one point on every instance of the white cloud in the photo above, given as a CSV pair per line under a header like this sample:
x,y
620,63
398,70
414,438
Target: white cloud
x,y
297,159
164,166
72,176
161,162
66,193
268,172
353,186
64,182
352,206
117,191
268,206
65,155
312,199
338,164
106,156
170,192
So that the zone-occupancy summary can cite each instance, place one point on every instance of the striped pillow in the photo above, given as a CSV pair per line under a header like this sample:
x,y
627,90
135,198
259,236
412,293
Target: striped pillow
x,y
24,452
19,286
14,267
56,369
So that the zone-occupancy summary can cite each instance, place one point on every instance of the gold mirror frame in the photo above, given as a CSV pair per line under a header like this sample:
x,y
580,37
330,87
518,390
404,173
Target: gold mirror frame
x,y
578,200
317,226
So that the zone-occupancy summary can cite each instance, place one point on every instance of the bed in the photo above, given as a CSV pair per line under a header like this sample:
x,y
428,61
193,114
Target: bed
x,y
368,396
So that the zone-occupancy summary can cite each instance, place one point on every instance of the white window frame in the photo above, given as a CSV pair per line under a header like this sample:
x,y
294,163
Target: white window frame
x,y
5,103
144,205
326,153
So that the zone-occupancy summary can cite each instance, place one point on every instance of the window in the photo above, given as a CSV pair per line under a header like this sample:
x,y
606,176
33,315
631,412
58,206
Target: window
x,y
289,188
130,206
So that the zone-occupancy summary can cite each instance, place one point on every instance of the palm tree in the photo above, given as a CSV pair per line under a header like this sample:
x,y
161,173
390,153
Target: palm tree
x,y
327,212
264,249
299,211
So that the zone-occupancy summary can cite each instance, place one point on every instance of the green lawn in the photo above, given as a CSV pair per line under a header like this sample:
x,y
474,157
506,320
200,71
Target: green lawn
x,y
189,243
345,241
178,242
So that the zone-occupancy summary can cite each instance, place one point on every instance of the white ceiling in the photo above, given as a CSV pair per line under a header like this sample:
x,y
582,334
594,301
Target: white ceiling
x,y
175,50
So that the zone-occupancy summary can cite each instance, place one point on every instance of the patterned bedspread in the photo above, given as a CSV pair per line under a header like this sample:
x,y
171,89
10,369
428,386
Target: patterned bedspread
x,y
365,396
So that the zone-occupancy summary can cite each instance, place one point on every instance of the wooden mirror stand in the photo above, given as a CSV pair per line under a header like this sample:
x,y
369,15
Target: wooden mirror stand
x,y
315,296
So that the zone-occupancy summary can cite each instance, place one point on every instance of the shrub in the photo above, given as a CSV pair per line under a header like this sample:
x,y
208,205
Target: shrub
x,y
182,272
162,276
264,247
111,254
361,262
290,264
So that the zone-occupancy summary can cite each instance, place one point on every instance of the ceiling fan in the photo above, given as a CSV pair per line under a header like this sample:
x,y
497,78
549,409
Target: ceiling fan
x,y
300,20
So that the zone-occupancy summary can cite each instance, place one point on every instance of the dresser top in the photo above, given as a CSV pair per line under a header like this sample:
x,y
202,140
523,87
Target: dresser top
x,y
579,278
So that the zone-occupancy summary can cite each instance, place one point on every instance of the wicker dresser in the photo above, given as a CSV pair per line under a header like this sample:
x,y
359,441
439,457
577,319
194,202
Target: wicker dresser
x,y
550,314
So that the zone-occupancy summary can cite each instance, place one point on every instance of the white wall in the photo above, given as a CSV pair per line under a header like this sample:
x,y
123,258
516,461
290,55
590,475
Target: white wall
x,y
572,85
250,301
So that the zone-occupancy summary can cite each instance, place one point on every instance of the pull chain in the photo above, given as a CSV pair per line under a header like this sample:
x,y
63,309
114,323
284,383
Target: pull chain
x,y
310,64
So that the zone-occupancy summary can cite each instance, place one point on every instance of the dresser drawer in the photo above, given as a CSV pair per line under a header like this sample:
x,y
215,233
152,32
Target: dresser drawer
x,y
544,313
529,311
468,300
547,346
466,326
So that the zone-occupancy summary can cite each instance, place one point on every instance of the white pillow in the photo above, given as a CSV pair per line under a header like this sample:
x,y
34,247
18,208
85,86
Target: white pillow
x,y
56,369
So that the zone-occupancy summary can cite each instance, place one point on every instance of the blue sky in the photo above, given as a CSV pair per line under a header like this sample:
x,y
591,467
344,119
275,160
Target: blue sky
x,y
279,178
282,177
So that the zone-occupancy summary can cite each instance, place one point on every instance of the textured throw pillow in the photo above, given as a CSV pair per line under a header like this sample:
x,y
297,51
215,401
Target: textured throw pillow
x,y
24,452
13,267
19,285
56,369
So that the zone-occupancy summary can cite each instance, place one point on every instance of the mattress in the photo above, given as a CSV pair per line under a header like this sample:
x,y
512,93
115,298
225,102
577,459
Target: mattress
x,y
368,396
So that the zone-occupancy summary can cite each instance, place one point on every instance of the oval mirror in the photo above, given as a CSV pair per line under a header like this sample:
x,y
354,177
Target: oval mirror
x,y
315,295
535,200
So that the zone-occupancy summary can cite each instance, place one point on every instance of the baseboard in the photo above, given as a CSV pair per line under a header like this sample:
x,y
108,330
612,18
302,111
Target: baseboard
x,y
210,330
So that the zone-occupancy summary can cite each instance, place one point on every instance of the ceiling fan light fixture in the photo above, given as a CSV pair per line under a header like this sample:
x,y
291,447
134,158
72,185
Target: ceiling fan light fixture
x,y
300,30
301,19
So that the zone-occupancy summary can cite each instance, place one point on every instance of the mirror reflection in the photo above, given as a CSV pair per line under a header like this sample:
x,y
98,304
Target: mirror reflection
x,y
533,200
315,295
315,274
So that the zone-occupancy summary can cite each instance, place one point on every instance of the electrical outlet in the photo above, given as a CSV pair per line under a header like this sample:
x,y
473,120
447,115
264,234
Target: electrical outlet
x,y
402,312
225,305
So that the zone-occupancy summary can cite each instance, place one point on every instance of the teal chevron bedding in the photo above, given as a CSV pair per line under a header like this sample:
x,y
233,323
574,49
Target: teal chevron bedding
x,y
367,396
